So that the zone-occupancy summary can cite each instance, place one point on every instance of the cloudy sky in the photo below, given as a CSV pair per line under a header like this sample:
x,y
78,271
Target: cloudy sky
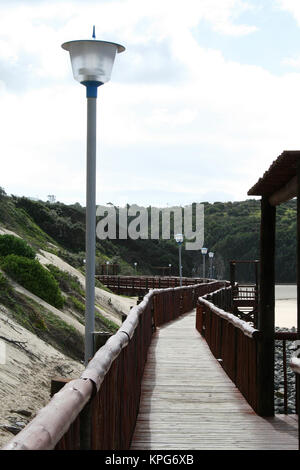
x,y
205,97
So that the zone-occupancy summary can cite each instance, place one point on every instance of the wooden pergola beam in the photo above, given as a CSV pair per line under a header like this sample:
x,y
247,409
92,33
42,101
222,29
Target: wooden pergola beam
x,y
285,193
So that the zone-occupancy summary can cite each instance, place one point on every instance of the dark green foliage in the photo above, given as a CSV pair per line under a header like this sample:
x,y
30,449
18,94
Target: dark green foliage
x,y
63,223
34,277
232,231
11,245
2,193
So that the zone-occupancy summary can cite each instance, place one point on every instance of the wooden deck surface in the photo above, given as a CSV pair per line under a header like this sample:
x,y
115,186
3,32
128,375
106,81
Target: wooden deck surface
x,y
188,402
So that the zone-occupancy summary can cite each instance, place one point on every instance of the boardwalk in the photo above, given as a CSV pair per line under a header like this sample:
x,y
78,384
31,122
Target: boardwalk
x,y
188,402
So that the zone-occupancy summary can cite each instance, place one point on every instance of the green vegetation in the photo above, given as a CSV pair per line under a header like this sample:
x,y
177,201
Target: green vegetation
x,y
231,232
41,322
77,304
34,277
9,244
66,281
106,324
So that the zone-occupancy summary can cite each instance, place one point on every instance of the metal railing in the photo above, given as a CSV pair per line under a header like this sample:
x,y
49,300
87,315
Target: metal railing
x,y
98,410
284,339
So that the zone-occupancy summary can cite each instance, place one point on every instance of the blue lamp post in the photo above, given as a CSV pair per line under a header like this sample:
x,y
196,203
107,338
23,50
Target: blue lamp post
x,y
92,62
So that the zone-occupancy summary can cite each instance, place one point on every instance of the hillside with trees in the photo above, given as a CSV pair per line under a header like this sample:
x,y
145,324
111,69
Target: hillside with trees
x,y
231,232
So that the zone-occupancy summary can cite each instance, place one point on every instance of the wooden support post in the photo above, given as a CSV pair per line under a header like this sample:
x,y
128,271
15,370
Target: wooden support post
x,y
232,273
255,318
266,314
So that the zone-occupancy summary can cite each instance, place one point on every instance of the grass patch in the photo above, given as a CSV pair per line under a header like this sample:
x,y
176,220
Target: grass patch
x,y
66,281
41,322
104,324
77,304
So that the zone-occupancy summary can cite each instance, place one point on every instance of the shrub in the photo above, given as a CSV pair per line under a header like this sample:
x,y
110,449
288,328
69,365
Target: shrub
x,y
66,281
11,245
34,277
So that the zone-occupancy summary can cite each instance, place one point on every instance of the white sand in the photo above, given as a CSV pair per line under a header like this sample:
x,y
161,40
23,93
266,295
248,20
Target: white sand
x,y
25,377
286,305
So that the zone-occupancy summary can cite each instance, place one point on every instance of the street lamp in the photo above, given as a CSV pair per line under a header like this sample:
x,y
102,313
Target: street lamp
x,y
170,266
107,267
203,251
135,265
92,62
179,240
211,255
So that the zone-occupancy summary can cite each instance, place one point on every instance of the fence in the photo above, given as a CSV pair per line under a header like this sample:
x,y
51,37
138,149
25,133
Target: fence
x,y
232,341
131,285
99,410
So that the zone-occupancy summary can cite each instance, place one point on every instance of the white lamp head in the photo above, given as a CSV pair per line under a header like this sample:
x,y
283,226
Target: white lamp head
x,y
92,60
204,250
179,238
211,254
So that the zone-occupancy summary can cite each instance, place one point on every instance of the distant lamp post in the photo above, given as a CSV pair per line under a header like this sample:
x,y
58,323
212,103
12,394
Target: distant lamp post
x,y
170,266
179,241
107,267
211,255
135,265
92,62
204,252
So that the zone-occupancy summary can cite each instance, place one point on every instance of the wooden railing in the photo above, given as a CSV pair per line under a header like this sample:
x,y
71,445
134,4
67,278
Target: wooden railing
x,y
99,410
232,341
137,285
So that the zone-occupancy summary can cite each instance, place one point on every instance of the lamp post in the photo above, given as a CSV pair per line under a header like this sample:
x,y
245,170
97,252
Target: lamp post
x,y
135,265
179,240
170,266
211,255
92,62
107,267
203,251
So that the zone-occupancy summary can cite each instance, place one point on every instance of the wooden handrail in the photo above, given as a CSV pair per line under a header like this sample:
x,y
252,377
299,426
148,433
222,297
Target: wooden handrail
x,y
232,341
233,319
112,377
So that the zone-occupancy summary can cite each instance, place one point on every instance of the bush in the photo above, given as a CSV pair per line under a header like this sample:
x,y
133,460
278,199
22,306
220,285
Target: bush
x,y
34,277
11,245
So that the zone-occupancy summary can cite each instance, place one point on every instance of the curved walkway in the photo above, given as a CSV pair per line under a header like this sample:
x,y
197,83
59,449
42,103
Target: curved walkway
x,y
188,401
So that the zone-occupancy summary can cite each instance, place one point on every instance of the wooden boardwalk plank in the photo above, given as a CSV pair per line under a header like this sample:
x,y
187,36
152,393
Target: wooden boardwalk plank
x,y
188,402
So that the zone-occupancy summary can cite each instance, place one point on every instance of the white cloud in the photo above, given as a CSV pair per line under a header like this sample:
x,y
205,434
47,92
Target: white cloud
x,y
292,6
177,118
